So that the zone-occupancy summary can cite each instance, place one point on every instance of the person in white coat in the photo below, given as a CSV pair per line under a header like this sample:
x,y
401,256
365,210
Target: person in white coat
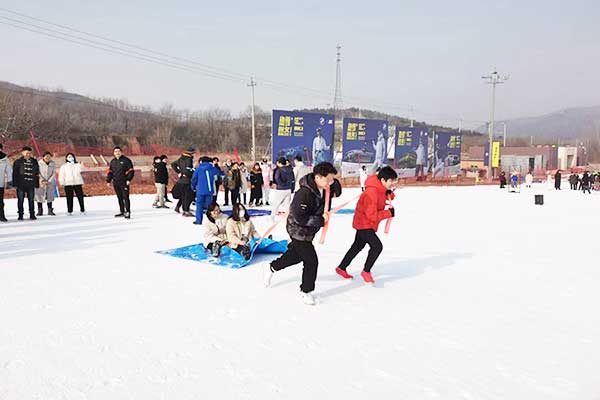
x,y
320,148
69,177
300,170
45,192
362,176
420,153
528,180
267,172
215,229
6,173
240,230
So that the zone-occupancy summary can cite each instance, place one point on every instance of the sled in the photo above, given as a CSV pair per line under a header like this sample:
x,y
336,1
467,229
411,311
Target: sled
x,y
229,258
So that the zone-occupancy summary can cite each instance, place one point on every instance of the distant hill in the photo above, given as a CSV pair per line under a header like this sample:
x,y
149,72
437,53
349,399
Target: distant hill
x,y
569,124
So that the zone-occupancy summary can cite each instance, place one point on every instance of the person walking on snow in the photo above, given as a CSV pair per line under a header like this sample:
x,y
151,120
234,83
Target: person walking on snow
x,y
70,178
203,182
528,180
26,178
120,173
370,211
307,216
5,180
557,180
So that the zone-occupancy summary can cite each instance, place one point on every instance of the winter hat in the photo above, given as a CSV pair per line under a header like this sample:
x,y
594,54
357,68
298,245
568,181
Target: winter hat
x,y
190,150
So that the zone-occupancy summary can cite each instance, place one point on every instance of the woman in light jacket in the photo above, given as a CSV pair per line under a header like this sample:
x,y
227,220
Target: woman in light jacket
x,y
70,178
215,229
240,230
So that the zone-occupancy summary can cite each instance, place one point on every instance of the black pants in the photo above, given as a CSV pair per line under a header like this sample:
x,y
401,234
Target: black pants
x,y
21,193
226,195
255,195
2,203
78,190
166,191
235,196
300,252
363,237
122,191
186,197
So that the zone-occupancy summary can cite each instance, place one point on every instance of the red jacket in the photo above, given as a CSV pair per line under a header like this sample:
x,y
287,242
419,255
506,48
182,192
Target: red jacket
x,y
370,210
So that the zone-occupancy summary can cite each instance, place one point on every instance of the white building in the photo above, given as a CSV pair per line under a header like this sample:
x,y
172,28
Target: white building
x,y
567,157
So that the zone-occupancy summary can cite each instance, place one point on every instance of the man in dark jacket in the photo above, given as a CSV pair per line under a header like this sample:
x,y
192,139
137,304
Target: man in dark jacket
x,y
283,177
161,177
586,183
120,173
218,179
26,178
184,167
307,216
557,180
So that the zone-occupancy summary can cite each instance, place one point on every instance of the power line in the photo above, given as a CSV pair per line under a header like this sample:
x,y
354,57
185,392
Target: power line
x,y
176,62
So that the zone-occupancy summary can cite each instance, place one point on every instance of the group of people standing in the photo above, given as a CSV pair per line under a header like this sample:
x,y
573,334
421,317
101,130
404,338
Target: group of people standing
x,y
37,181
587,182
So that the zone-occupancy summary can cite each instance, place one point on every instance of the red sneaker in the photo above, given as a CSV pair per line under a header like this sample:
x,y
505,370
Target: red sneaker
x,y
343,273
367,277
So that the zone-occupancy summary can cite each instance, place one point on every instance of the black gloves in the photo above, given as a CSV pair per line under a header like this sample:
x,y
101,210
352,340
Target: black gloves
x,y
392,211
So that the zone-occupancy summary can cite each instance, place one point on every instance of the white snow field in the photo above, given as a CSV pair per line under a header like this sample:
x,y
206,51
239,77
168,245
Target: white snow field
x,y
479,294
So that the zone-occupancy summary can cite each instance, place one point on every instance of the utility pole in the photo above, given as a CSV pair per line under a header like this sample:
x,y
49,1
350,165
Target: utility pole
x,y
337,98
504,134
412,117
252,84
493,79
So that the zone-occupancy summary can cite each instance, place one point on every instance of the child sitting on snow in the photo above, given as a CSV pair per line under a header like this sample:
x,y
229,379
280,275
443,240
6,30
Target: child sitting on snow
x,y
240,230
215,229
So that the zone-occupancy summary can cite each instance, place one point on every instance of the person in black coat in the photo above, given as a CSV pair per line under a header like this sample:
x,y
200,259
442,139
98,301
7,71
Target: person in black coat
x,y
26,178
184,167
165,161
502,180
219,178
120,173
307,216
557,179
256,184
586,183
161,178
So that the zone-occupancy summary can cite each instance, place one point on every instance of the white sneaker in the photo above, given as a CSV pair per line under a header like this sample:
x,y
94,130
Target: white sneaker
x,y
83,213
69,214
308,299
267,274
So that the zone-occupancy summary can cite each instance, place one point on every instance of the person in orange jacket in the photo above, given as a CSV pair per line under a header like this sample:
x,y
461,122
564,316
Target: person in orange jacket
x,y
370,211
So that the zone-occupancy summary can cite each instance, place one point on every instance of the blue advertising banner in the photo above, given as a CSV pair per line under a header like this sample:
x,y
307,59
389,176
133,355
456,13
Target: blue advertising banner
x,y
364,143
309,135
411,146
446,154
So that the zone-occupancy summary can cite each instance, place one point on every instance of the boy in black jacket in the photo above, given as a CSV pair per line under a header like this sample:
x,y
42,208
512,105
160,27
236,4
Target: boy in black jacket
x,y
26,178
307,216
120,172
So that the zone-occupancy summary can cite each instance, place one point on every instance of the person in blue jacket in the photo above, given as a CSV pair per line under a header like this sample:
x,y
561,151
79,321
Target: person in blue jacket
x,y
203,183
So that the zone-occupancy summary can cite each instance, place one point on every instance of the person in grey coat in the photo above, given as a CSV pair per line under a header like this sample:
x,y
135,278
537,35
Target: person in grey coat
x,y
5,180
45,193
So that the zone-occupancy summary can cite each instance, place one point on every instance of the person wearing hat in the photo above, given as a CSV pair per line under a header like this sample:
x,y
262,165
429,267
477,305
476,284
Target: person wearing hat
x,y
184,168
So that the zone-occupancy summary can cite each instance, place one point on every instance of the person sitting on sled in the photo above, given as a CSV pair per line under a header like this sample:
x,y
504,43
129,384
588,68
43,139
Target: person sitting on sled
x,y
215,229
240,230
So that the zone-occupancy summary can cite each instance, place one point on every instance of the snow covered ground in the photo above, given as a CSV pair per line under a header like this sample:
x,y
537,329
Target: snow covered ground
x,y
467,305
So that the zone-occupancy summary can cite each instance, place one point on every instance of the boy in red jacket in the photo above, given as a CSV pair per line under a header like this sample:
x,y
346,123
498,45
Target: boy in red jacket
x,y
370,211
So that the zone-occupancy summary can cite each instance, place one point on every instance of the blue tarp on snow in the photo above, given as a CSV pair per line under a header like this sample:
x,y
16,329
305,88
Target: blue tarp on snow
x,y
229,258
253,212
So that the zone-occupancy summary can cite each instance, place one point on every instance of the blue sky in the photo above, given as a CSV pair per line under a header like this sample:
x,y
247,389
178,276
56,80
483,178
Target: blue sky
x,y
426,55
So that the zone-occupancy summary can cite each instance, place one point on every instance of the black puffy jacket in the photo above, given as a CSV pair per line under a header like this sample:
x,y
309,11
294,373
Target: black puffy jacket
x,y
161,175
306,212
184,167
120,170
26,173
